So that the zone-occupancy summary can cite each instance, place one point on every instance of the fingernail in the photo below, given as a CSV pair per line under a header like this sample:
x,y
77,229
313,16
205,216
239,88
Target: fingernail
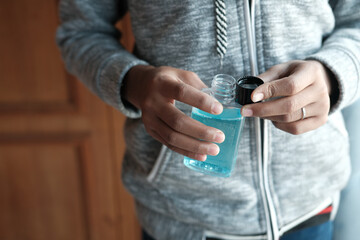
x,y
213,150
219,137
216,108
258,97
246,112
200,157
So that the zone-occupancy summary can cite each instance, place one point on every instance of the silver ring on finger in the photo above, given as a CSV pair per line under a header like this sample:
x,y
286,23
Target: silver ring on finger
x,y
303,113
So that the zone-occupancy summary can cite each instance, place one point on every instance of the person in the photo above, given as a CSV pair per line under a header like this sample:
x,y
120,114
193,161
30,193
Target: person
x,y
293,155
347,224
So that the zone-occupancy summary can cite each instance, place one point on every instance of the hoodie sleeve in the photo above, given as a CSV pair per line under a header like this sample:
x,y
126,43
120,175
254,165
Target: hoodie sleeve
x,y
90,47
341,51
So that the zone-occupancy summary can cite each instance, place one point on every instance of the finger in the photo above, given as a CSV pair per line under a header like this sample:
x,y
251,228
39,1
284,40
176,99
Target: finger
x,y
182,141
187,94
180,122
311,110
196,156
273,73
302,126
286,86
281,106
192,79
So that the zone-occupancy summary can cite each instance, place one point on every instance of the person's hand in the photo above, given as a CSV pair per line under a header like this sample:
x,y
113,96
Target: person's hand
x,y
154,91
293,85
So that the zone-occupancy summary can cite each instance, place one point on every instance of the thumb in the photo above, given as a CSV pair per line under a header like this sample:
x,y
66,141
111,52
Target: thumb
x,y
273,79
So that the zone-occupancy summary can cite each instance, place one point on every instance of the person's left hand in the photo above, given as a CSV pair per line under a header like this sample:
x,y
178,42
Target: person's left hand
x,y
293,85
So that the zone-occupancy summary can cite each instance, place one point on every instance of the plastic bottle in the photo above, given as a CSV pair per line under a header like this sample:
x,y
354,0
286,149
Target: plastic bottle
x,y
232,95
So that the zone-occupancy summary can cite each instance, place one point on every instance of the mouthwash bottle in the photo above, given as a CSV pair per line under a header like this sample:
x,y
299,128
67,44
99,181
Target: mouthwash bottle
x,y
232,95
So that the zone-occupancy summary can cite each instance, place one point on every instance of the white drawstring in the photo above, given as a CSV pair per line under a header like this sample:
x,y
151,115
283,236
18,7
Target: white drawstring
x,y
221,29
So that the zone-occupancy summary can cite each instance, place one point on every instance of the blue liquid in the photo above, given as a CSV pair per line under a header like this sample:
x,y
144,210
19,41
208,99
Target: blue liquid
x,y
230,122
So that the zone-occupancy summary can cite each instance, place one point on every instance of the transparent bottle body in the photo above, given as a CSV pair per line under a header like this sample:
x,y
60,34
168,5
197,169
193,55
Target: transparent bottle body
x,y
230,122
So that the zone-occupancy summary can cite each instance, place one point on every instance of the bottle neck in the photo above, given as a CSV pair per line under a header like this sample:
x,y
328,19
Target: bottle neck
x,y
223,88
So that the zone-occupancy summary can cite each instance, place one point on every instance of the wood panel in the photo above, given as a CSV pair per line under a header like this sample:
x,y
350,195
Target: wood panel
x,y
60,146
31,72
45,195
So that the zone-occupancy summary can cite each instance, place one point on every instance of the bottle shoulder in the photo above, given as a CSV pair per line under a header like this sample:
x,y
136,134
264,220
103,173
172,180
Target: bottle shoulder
x,y
227,114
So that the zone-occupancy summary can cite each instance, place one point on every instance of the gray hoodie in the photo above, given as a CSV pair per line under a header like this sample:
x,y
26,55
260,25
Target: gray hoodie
x,y
280,180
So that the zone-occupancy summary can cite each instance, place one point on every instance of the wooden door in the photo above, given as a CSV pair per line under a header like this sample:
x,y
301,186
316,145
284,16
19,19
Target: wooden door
x,y
60,146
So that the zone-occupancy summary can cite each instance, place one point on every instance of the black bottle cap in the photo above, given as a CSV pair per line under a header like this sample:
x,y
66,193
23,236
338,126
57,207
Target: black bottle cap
x,y
244,87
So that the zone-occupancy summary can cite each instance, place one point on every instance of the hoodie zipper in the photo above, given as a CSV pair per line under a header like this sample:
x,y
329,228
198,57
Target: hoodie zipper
x,y
261,132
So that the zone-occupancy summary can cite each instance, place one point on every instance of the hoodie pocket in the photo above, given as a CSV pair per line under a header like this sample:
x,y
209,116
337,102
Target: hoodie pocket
x,y
231,204
165,153
160,164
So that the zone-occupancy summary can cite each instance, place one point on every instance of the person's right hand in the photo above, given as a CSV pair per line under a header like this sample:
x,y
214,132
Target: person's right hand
x,y
154,91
